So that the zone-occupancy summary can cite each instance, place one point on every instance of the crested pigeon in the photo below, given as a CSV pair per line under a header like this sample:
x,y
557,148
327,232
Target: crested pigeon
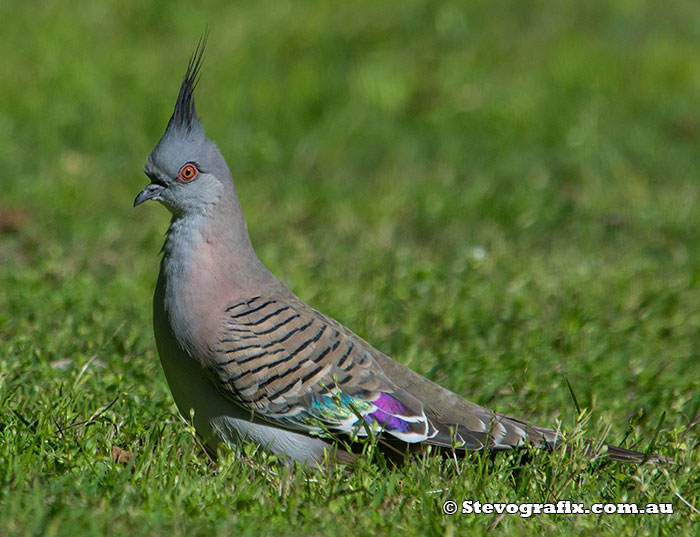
x,y
248,360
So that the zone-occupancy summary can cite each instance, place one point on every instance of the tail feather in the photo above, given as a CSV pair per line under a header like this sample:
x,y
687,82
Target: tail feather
x,y
619,454
506,432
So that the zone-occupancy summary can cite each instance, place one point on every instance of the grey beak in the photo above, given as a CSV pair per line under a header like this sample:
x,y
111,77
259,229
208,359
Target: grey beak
x,y
151,191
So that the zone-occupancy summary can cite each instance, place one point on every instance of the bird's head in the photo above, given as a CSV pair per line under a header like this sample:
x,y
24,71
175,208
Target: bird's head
x,y
187,171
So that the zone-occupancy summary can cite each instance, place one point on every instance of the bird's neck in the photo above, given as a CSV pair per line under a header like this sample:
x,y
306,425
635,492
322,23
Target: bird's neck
x,y
212,249
208,261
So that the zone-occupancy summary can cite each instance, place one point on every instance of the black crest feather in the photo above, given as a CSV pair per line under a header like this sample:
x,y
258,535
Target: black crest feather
x,y
184,116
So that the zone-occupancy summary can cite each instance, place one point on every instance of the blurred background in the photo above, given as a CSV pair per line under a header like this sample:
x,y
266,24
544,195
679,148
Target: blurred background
x,y
503,195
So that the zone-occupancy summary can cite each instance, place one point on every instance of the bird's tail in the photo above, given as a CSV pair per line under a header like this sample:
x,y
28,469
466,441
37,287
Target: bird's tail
x,y
619,454
552,440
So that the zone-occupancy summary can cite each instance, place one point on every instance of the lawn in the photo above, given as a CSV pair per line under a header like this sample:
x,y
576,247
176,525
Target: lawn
x,y
501,195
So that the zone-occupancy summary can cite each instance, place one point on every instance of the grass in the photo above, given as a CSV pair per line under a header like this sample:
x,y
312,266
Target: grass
x,y
503,196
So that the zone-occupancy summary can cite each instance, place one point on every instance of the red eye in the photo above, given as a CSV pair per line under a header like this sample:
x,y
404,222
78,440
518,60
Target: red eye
x,y
188,173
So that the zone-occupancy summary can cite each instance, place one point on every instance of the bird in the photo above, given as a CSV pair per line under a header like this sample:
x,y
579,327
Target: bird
x,y
246,360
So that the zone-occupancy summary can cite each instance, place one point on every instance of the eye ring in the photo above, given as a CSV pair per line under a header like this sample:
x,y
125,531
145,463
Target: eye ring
x,y
188,173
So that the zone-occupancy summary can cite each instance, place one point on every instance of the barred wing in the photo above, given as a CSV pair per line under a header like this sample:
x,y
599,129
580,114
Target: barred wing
x,y
291,365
